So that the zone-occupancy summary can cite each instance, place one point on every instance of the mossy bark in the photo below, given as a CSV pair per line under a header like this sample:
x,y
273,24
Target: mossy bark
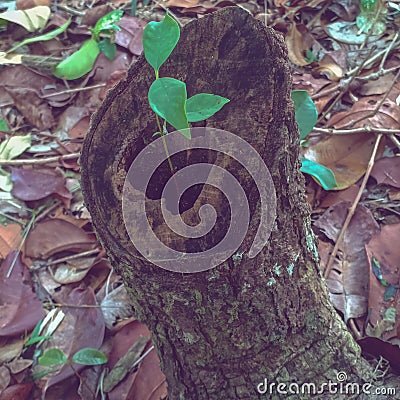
x,y
221,332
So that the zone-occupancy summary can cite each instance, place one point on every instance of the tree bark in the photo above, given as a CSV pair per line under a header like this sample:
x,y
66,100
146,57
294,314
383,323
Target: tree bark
x,y
221,332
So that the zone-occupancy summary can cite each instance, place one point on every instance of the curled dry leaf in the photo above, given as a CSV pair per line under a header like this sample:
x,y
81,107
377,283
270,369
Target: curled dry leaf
x,y
56,235
298,41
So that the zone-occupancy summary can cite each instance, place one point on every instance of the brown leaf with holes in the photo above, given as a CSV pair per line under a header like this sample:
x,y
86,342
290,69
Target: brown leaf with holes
x,y
20,310
56,235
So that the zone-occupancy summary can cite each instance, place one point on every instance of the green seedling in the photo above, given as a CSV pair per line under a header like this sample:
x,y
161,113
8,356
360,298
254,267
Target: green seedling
x,y
372,17
306,118
168,96
81,62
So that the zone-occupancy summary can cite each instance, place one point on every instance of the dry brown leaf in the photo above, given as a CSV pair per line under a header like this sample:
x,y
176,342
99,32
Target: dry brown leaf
x,y
298,41
181,3
346,155
10,238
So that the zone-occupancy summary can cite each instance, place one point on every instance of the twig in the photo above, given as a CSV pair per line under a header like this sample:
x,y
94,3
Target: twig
x,y
352,208
39,161
73,257
364,129
79,89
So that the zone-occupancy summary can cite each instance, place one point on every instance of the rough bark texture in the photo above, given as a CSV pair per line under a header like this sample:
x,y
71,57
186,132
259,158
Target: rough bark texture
x,y
221,332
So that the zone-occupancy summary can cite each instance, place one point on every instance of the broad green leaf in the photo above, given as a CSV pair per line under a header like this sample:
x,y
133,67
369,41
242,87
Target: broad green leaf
x,y
323,175
31,19
42,38
203,105
89,356
107,22
3,125
52,357
159,40
305,110
167,98
14,146
107,48
78,63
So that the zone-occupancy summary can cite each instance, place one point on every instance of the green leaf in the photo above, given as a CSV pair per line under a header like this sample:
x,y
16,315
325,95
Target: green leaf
x,y
167,98
323,175
159,40
203,105
305,110
42,38
3,125
14,146
52,357
89,356
5,181
107,48
107,22
36,339
78,63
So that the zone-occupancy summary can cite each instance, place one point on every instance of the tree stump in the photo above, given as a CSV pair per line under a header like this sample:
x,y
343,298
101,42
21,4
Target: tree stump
x,y
222,331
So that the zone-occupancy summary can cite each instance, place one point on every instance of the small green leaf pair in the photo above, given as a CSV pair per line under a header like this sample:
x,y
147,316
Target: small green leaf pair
x,y
81,62
86,356
306,118
168,96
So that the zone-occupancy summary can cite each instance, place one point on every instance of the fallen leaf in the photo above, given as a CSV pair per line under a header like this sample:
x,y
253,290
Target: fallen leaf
x,y
346,155
387,171
348,280
181,3
56,235
10,238
130,35
298,41
82,327
19,391
383,249
33,19
20,310
32,184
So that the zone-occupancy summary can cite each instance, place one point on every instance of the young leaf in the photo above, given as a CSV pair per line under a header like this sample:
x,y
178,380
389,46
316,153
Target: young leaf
x,y
107,23
3,125
305,110
167,98
159,39
78,63
52,357
89,356
203,105
323,175
107,48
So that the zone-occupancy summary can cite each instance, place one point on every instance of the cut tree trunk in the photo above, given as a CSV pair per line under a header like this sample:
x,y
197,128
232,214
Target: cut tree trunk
x,y
221,332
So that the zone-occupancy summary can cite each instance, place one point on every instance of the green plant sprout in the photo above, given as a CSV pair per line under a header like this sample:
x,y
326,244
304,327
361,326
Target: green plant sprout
x,y
81,62
372,17
168,96
306,117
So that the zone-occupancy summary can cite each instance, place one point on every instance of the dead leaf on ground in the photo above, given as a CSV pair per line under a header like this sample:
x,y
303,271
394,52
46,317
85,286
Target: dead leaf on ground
x,y
382,247
26,4
81,327
20,310
34,184
387,171
19,391
181,3
346,155
130,35
298,41
348,281
10,238
56,235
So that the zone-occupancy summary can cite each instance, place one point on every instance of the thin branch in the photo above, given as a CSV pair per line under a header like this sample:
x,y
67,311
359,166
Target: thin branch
x,y
352,208
40,161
